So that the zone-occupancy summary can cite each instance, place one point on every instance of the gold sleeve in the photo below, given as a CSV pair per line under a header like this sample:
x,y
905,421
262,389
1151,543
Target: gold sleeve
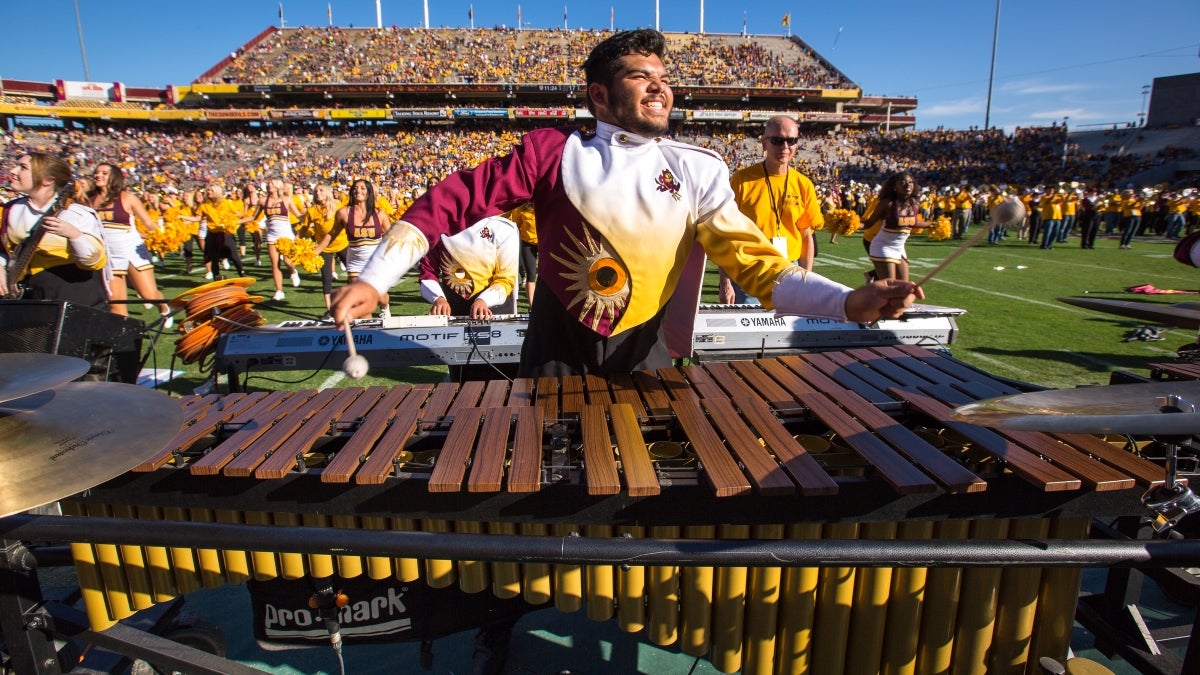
x,y
737,246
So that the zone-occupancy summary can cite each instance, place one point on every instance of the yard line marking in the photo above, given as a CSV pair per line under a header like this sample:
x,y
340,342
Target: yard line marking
x,y
332,381
1009,296
916,263
997,363
1025,259
838,262
1160,350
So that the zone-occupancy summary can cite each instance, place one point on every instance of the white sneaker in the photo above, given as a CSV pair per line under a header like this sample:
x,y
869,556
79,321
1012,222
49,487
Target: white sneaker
x,y
168,321
335,275
278,295
208,275
295,279
385,313
225,263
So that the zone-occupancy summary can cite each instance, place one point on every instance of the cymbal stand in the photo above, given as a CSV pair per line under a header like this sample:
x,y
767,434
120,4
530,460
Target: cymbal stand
x,y
24,622
1171,501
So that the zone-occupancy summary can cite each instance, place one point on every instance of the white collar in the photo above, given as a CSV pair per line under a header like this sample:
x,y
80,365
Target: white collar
x,y
615,135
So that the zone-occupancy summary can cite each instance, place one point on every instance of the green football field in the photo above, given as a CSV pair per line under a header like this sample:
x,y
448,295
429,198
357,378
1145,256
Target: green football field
x,y
1014,327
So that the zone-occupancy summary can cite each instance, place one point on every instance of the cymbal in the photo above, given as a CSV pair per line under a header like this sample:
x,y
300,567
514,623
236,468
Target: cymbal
x,y
61,441
1118,408
22,374
1180,315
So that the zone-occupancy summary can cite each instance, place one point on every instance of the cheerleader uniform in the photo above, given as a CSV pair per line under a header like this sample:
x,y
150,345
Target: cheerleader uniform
x,y
126,248
363,239
888,244
279,224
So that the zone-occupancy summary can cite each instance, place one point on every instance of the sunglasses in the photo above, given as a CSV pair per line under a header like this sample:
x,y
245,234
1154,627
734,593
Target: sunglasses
x,y
777,141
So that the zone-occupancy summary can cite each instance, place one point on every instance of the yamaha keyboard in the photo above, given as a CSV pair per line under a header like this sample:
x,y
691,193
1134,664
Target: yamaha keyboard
x,y
722,332
728,332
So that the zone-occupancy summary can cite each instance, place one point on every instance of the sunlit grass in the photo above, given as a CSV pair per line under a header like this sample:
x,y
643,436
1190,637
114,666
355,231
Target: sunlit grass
x,y
1014,327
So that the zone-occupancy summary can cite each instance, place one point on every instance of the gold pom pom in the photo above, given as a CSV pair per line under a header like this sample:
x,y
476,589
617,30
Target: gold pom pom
x,y
939,230
302,253
842,222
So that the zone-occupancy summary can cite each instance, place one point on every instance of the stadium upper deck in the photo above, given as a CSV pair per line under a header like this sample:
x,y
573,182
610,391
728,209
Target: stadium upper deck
x,y
460,56
446,74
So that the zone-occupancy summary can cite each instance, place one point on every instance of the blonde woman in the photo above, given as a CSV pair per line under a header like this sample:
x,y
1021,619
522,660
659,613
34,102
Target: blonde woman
x,y
321,217
279,207
221,216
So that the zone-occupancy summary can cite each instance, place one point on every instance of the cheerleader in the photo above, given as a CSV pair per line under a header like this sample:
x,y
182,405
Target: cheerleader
x,y
279,207
120,210
900,212
321,217
221,216
364,226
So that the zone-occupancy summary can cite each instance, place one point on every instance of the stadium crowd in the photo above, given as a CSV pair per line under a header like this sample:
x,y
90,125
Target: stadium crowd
x,y
178,168
959,171
460,55
411,157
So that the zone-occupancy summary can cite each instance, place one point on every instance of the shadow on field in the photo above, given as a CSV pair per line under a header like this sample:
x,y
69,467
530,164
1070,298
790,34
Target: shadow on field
x,y
1093,362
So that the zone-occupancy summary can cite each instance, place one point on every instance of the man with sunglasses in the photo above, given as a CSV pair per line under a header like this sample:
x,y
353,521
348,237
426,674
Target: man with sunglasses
x,y
780,200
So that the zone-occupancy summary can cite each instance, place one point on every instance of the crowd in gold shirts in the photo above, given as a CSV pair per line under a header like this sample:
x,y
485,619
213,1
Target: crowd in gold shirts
x,y
962,174
459,55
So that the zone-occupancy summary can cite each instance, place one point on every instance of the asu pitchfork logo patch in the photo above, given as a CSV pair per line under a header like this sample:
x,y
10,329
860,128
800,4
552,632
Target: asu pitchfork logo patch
x,y
668,183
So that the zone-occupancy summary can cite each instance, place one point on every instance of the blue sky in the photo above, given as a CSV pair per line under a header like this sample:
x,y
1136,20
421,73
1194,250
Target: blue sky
x,y
1086,60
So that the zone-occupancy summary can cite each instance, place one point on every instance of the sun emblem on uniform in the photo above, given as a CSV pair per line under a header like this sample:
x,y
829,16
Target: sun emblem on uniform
x,y
456,278
599,280
410,240
668,183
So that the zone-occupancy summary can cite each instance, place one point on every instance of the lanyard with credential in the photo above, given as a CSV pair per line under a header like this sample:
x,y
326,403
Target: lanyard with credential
x,y
771,192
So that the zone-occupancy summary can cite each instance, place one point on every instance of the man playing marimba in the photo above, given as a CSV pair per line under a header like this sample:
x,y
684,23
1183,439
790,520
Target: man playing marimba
x,y
625,216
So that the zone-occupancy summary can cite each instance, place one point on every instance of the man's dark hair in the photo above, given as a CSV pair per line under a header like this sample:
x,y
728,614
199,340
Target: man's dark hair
x,y
602,64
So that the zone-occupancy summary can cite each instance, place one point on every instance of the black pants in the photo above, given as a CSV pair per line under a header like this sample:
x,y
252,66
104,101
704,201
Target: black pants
x,y
1089,224
218,245
327,269
558,344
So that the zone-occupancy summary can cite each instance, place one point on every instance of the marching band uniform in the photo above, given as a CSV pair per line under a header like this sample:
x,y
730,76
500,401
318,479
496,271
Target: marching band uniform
x,y
60,269
479,263
611,256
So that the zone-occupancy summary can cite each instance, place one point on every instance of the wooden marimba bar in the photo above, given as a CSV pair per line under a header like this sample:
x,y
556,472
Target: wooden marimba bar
x,y
853,444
